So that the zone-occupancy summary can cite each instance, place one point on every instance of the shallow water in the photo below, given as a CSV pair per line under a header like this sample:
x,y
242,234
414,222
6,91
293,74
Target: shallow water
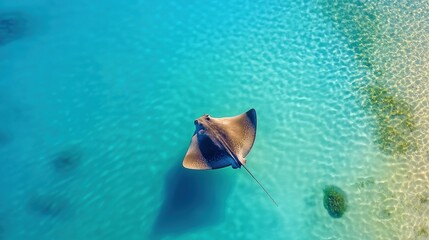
x,y
119,85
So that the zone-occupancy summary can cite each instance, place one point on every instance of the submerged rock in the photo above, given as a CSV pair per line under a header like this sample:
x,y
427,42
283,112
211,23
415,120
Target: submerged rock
x,y
12,26
67,160
334,201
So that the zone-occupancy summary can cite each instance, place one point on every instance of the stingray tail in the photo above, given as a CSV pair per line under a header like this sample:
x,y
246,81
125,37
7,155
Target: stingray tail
x,y
260,185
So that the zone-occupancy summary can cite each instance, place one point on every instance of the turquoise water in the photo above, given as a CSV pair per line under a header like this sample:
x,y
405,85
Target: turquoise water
x,y
117,85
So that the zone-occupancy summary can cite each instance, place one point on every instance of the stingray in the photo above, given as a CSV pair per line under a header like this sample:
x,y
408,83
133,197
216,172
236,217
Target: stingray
x,y
222,142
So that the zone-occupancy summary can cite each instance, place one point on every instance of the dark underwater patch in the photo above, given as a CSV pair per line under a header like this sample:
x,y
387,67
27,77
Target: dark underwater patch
x,y
5,138
192,200
66,160
13,26
47,205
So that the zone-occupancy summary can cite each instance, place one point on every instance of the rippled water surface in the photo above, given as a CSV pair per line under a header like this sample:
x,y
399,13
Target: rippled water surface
x,y
98,99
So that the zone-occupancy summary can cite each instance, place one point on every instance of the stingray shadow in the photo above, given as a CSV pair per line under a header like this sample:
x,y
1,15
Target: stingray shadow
x,y
192,200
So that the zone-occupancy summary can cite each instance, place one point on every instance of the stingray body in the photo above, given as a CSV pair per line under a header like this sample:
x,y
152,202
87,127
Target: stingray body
x,y
222,142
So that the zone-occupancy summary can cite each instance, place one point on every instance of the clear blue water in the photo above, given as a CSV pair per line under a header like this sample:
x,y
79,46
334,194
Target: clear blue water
x,y
117,86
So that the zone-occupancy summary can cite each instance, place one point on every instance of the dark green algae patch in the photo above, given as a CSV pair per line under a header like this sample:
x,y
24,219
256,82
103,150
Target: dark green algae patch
x,y
395,120
360,23
334,201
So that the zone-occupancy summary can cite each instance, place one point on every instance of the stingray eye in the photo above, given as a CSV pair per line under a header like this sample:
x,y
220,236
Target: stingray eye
x,y
208,118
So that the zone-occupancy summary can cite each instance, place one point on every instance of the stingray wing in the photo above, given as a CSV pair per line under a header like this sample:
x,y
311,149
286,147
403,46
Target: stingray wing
x,y
204,154
240,132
